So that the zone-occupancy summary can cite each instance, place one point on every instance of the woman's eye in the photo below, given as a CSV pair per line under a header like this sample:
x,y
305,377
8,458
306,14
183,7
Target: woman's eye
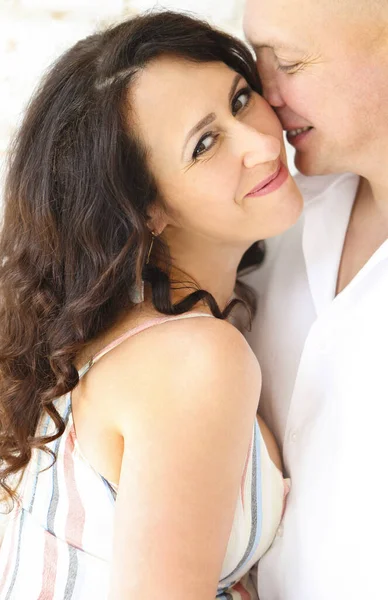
x,y
208,140
204,144
241,100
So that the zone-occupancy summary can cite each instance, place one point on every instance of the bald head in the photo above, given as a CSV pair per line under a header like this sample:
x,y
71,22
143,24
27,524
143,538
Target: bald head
x,y
365,20
358,21
373,7
365,12
324,68
353,9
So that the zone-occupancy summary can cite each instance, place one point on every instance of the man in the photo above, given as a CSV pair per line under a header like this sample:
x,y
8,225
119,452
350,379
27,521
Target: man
x,y
321,333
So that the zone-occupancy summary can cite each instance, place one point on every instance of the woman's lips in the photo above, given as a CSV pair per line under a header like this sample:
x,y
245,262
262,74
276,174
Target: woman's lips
x,y
271,183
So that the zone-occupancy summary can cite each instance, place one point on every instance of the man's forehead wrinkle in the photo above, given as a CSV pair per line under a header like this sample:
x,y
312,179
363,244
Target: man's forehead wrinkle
x,y
275,45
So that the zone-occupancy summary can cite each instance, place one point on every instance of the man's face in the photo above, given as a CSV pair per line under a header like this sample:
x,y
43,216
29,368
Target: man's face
x,y
322,74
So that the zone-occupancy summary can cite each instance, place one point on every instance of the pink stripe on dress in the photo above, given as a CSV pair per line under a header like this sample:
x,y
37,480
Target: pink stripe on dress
x,y
242,591
50,566
75,521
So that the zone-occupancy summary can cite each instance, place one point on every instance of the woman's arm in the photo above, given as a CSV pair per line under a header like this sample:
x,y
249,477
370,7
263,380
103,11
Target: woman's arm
x,y
186,439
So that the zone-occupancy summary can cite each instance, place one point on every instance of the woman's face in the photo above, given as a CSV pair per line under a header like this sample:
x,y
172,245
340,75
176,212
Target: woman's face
x,y
211,141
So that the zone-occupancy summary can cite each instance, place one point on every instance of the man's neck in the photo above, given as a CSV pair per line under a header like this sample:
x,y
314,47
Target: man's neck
x,y
377,196
367,230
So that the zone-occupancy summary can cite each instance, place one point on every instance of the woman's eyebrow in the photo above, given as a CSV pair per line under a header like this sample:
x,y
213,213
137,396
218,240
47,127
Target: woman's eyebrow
x,y
212,116
200,125
235,83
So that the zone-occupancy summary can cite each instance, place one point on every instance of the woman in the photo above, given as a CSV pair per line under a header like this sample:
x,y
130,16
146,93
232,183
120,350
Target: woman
x,y
147,164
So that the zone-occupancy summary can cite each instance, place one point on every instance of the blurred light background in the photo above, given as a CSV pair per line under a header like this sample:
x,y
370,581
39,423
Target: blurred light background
x,y
34,32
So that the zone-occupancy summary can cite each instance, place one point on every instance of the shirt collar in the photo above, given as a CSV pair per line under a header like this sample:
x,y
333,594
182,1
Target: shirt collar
x,y
329,202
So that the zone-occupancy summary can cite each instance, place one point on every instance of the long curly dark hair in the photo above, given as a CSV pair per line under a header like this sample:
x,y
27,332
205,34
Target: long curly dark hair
x,y
74,236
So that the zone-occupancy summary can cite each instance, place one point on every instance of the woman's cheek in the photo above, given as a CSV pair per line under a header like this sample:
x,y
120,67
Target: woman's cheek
x,y
224,174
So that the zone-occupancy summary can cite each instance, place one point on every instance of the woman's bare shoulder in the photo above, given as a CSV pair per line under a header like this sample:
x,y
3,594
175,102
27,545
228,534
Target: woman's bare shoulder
x,y
189,343
208,355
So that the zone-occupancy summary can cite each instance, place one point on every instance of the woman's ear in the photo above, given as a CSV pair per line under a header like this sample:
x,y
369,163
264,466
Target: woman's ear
x,y
157,219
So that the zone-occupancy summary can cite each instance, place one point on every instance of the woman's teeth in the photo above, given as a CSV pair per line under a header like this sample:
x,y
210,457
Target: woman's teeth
x,y
295,132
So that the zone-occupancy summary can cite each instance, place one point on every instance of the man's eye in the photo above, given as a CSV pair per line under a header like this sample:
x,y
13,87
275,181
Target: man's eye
x,y
241,100
288,68
204,144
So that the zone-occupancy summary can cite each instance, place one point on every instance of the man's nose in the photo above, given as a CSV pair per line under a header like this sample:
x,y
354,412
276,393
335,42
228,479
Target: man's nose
x,y
271,91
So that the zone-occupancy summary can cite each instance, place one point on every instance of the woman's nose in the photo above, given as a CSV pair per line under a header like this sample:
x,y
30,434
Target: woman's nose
x,y
260,148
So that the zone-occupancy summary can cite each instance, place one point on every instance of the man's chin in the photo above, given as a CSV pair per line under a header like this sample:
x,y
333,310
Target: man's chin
x,y
311,165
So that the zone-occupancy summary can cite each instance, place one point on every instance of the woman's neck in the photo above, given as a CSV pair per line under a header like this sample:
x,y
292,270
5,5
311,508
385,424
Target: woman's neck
x,y
204,265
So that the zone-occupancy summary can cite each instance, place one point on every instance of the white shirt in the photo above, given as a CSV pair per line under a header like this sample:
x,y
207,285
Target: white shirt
x,y
325,395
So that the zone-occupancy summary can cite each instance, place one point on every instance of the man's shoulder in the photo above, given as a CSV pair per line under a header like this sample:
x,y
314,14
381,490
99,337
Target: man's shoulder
x,y
313,187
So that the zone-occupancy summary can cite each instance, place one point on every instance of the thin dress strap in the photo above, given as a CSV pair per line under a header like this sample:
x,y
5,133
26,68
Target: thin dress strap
x,y
134,331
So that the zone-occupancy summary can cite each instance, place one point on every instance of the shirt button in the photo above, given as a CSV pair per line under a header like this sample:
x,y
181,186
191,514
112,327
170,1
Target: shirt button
x,y
279,532
293,437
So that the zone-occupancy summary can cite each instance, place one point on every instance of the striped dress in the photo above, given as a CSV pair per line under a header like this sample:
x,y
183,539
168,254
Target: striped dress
x,y
58,540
